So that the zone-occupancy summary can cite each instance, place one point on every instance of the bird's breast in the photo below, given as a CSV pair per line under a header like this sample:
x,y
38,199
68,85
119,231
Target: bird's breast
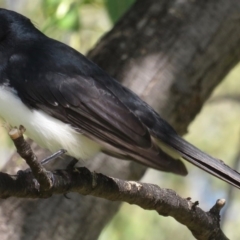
x,y
45,130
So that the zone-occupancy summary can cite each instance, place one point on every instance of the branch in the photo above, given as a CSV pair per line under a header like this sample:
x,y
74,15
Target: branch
x,y
25,151
171,53
166,202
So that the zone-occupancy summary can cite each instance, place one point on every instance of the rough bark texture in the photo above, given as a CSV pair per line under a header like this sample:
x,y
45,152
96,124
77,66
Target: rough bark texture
x,y
171,52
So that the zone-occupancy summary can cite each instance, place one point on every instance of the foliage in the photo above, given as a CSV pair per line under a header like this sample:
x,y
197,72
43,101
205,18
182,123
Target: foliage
x,y
65,14
116,8
62,14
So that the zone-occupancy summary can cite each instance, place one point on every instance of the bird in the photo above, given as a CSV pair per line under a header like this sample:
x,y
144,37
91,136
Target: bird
x,y
64,100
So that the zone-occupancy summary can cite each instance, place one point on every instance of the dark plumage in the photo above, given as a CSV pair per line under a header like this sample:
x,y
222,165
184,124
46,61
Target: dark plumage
x,y
54,80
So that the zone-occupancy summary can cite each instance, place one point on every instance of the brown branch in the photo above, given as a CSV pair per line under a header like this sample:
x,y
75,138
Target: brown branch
x,y
25,151
203,225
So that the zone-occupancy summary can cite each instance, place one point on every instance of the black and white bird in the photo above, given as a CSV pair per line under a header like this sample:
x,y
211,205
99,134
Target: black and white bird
x,y
66,101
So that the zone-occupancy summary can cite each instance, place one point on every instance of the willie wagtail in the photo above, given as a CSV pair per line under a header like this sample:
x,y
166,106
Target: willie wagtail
x,y
66,101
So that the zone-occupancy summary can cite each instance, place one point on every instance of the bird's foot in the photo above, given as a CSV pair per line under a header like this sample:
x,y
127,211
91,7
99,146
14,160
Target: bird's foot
x,y
53,156
72,164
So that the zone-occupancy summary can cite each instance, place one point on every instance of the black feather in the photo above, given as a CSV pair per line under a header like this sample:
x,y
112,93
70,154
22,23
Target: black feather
x,y
52,77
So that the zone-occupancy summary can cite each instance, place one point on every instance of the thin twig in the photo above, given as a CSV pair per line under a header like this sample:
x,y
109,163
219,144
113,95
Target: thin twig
x,y
24,150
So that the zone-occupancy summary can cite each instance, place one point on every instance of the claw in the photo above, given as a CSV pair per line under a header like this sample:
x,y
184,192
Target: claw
x,y
72,163
53,156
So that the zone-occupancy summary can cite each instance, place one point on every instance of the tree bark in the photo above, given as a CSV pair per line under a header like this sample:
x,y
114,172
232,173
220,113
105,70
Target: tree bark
x,y
172,53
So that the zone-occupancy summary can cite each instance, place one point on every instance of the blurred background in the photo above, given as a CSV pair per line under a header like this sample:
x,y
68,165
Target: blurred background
x,y
215,130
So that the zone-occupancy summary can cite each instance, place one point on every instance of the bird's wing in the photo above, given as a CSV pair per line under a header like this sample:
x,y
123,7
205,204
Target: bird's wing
x,y
166,135
92,109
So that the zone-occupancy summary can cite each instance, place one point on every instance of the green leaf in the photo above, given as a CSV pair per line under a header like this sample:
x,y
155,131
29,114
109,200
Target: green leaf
x,y
116,8
70,20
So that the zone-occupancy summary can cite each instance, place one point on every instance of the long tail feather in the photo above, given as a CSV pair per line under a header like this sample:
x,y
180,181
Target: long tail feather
x,y
202,160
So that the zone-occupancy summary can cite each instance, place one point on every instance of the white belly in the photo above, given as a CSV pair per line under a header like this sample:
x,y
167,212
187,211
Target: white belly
x,y
45,130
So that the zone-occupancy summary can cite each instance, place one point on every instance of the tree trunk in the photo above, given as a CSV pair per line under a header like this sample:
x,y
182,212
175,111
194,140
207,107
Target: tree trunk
x,y
172,53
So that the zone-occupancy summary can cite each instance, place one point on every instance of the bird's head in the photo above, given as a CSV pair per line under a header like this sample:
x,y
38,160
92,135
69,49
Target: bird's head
x,y
13,24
